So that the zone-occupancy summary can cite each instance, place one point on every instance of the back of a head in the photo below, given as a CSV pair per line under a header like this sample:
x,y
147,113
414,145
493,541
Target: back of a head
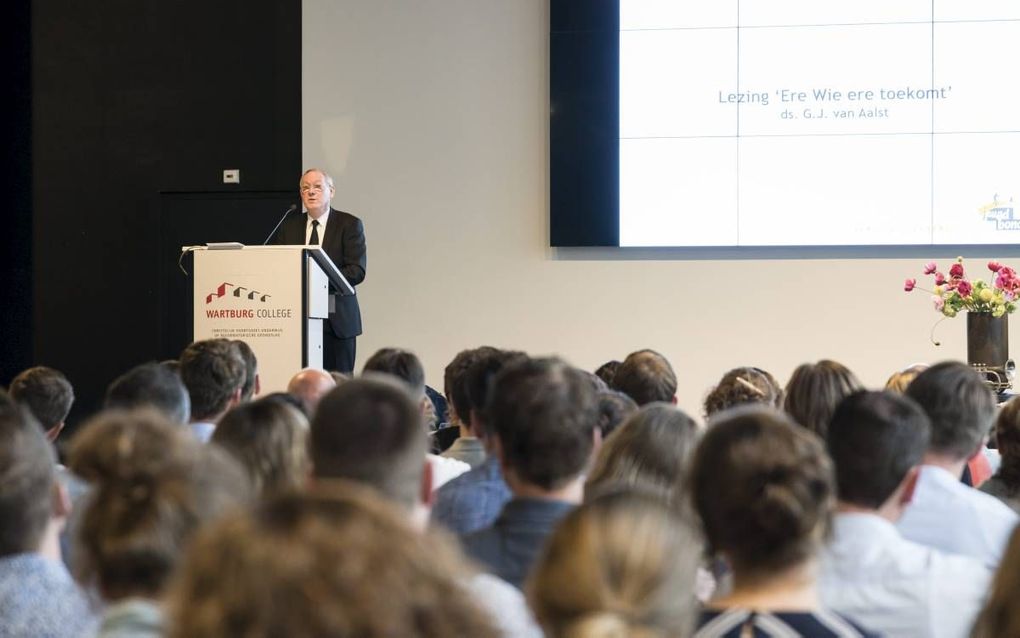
x,y
333,562
874,439
621,565
309,386
46,393
815,389
1007,440
764,491
270,440
615,407
251,368
213,371
544,413
607,371
369,431
152,486
479,379
958,403
744,386
150,385
402,364
27,478
646,376
650,451
899,380
455,377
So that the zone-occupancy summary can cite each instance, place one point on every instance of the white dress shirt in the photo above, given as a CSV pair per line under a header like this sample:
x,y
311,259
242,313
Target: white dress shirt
x,y
874,576
322,227
950,516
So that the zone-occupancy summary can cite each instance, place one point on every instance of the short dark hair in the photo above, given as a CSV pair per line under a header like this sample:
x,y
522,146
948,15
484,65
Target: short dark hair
x,y
212,371
480,376
251,368
615,407
815,389
46,393
455,378
961,407
764,490
1007,440
151,385
874,439
544,413
27,476
646,376
607,370
368,430
402,364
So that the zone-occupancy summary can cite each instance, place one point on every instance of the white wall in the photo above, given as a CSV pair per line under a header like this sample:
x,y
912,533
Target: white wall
x,y
433,118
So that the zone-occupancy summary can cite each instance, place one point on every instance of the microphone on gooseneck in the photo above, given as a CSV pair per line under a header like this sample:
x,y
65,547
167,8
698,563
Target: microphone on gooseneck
x,y
293,207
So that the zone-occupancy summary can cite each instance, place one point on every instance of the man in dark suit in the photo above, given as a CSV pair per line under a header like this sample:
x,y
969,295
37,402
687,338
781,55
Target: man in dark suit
x,y
342,236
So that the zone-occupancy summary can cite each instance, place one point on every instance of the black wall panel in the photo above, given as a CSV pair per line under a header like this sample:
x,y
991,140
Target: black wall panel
x,y
132,98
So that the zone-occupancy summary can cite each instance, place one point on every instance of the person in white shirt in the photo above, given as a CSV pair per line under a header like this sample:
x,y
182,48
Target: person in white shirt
x,y
945,513
868,571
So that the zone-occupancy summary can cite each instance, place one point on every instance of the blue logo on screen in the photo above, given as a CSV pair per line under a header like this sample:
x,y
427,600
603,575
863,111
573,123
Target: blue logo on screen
x,y
1001,213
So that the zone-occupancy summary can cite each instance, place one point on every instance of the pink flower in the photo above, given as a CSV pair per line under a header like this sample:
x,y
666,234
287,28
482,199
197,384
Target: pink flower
x,y
939,303
994,266
939,279
909,284
930,267
964,288
956,271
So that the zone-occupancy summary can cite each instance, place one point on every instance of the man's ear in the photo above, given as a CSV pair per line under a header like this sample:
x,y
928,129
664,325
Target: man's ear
x,y
673,400
427,496
258,385
54,432
909,484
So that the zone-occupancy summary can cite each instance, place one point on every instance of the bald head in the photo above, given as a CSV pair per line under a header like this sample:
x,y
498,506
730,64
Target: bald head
x,y
309,386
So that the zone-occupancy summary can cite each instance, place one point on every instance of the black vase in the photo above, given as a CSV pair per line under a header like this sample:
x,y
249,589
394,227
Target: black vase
x,y
987,340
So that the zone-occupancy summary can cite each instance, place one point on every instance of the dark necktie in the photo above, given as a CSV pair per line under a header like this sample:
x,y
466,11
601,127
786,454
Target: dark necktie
x,y
314,240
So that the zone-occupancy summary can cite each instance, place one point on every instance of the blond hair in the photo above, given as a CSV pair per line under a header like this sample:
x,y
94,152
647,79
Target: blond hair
x,y
337,561
622,564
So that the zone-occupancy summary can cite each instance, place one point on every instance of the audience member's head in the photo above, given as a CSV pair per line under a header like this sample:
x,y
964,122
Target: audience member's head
x,y
621,565
765,493
150,385
288,399
615,407
650,451
479,379
455,385
606,371
743,386
309,386
334,562
47,394
1007,437
876,441
214,373
646,376
402,364
899,381
544,414
1001,615
369,431
152,486
815,389
27,481
270,439
251,385
960,406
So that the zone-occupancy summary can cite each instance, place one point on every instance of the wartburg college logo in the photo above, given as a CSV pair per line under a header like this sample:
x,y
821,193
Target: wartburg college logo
x,y
247,296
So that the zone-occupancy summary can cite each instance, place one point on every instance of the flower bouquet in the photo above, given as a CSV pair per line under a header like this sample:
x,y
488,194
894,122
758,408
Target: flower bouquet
x,y
956,292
